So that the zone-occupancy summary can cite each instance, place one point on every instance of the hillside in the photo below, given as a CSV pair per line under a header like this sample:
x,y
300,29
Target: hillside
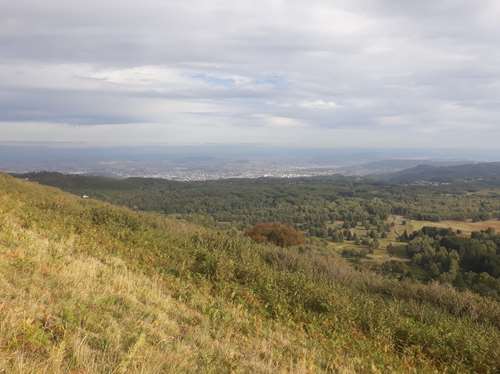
x,y
489,171
89,287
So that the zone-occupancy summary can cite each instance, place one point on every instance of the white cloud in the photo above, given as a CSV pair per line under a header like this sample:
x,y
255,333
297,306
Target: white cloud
x,y
319,104
285,122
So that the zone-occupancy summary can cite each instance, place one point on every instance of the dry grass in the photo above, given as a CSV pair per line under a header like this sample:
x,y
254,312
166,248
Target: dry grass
x,y
62,312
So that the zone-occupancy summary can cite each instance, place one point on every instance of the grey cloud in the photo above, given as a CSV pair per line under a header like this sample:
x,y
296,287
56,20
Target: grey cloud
x,y
388,66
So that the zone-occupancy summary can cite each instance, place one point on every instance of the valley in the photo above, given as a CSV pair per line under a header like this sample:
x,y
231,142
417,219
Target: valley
x,y
91,286
163,276
367,220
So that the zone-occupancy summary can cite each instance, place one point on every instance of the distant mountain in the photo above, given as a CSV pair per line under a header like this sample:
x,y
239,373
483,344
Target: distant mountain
x,y
391,166
486,171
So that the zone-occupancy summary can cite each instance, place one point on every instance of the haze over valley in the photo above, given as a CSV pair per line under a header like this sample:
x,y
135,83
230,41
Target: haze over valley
x,y
204,162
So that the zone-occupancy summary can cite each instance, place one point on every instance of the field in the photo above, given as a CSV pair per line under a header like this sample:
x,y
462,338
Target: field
x,y
399,225
464,226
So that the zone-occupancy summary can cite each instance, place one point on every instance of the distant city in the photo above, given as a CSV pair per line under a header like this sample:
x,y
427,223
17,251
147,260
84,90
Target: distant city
x,y
209,162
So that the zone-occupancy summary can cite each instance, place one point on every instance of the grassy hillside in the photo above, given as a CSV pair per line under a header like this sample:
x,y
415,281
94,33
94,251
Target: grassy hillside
x,y
88,287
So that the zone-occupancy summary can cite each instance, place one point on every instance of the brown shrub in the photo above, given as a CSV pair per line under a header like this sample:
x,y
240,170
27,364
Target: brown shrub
x,y
277,233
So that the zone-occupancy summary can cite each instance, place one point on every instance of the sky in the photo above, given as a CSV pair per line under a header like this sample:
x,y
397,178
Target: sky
x,y
353,73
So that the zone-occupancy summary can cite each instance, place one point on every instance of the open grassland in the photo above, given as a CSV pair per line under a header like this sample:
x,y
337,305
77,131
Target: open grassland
x,y
86,287
402,224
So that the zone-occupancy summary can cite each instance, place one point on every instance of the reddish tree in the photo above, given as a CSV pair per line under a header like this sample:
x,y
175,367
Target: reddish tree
x,y
276,233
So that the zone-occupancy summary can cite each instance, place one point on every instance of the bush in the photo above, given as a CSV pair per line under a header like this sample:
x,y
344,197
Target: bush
x,y
276,233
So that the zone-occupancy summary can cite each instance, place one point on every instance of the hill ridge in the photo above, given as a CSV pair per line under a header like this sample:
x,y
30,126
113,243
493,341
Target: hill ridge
x,y
433,173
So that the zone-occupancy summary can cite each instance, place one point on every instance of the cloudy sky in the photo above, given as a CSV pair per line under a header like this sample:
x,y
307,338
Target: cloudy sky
x,y
305,73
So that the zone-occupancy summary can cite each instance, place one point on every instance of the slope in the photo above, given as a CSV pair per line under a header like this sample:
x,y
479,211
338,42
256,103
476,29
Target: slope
x,y
88,287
